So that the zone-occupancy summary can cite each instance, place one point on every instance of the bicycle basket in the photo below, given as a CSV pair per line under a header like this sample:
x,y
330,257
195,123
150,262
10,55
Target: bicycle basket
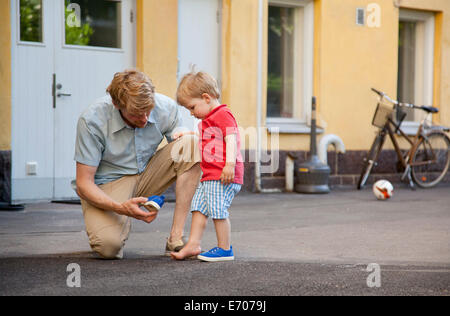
x,y
383,112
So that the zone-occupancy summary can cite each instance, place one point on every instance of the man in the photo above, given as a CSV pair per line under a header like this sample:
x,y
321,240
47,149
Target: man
x,y
118,165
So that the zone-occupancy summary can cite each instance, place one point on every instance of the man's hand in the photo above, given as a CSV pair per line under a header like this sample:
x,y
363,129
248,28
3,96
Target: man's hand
x,y
131,208
227,175
89,191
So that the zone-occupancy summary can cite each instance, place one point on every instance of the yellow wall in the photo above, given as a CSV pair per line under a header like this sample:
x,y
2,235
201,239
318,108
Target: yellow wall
x,y
239,59
353,59
157,42
5,76
240,67
344,56
348,61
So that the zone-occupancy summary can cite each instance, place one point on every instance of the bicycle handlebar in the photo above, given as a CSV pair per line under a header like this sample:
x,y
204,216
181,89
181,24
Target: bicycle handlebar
x,y
378,92
428,109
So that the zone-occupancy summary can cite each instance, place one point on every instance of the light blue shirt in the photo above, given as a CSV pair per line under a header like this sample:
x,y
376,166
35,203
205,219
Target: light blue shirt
x,y
105,141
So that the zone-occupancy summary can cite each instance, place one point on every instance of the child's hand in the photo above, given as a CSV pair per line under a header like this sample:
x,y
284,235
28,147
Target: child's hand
x,y
181,134
227,175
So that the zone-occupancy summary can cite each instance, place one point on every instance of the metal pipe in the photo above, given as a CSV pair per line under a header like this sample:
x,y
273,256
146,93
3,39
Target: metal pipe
x,y
328,140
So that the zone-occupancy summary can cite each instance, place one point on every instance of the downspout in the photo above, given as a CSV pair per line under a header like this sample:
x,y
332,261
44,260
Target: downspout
x,y
326,141
259,131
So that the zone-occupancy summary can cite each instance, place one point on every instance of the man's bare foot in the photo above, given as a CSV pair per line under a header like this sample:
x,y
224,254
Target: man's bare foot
x,y
186,252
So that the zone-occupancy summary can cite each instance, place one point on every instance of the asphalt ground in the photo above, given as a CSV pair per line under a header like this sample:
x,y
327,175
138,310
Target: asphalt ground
x,y
159,276
285,245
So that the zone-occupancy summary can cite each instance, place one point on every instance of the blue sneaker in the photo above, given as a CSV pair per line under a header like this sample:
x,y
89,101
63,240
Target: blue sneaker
x,y
156,202
217,254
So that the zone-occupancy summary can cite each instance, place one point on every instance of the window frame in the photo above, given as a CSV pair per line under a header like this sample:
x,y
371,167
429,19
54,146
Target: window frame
x,y
300,123
424,79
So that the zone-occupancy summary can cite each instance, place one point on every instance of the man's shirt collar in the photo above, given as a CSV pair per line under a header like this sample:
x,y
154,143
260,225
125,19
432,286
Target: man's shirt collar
x,y
117,122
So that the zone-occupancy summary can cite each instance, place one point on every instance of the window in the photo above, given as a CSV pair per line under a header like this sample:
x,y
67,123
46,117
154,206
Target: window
x,y
415,62
31,21
280,81
99,24
289,64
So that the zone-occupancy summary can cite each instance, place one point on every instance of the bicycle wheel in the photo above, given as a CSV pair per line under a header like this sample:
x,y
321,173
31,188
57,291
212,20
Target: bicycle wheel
x,y
431,160
370,161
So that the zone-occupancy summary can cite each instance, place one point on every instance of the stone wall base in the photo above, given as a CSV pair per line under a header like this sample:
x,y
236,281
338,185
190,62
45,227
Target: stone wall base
x,y
345,169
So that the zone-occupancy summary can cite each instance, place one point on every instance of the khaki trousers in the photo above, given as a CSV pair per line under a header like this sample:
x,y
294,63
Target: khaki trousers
x,y
108,231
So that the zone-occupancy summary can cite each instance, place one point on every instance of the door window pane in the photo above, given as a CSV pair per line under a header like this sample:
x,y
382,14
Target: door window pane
x,y
407,65
93,23
280,81
31,21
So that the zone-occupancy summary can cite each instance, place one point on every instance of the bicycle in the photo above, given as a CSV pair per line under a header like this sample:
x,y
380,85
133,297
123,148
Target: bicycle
x,y
426,162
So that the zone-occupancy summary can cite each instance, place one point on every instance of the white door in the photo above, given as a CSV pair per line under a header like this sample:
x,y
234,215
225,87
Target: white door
x,y
199,40
32,121
85,46
83,72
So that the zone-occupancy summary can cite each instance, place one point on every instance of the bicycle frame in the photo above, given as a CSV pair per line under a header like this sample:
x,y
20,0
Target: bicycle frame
x,y
415,142
404,160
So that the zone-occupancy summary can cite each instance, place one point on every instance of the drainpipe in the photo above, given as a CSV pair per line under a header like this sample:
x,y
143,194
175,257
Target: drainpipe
x,y
289,173
326,141
259,131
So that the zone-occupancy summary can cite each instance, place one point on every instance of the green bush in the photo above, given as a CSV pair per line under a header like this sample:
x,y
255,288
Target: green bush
x,y
31,20
77,35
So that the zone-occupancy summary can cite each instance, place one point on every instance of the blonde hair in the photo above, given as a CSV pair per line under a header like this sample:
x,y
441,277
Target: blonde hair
x,y
132,90
194,85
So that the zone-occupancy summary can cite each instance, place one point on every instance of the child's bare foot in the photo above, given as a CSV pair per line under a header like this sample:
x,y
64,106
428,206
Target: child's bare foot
x,y
186,252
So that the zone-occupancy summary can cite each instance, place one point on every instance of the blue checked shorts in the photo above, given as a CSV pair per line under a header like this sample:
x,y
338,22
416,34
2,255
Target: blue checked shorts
x,y
213,199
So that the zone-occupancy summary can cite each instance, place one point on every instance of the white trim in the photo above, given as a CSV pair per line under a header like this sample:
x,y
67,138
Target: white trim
x,y
410,128
259,89
308,60
289,126
298,74
429,61
38,44
94,48
414,15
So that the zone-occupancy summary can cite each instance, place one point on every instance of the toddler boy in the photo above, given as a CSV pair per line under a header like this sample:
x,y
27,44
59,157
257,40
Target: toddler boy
x,y
221,164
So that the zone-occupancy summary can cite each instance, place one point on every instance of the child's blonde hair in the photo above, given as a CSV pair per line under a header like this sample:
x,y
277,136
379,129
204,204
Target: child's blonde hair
x,y
194,85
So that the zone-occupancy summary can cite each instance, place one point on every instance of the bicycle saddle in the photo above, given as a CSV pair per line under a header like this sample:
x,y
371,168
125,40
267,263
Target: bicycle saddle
x,y
430,109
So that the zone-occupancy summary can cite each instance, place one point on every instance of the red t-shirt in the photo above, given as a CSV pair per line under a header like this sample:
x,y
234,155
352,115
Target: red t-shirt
x,y
218,124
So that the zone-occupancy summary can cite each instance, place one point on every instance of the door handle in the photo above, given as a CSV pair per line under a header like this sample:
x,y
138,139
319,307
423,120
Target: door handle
x,y
59,95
